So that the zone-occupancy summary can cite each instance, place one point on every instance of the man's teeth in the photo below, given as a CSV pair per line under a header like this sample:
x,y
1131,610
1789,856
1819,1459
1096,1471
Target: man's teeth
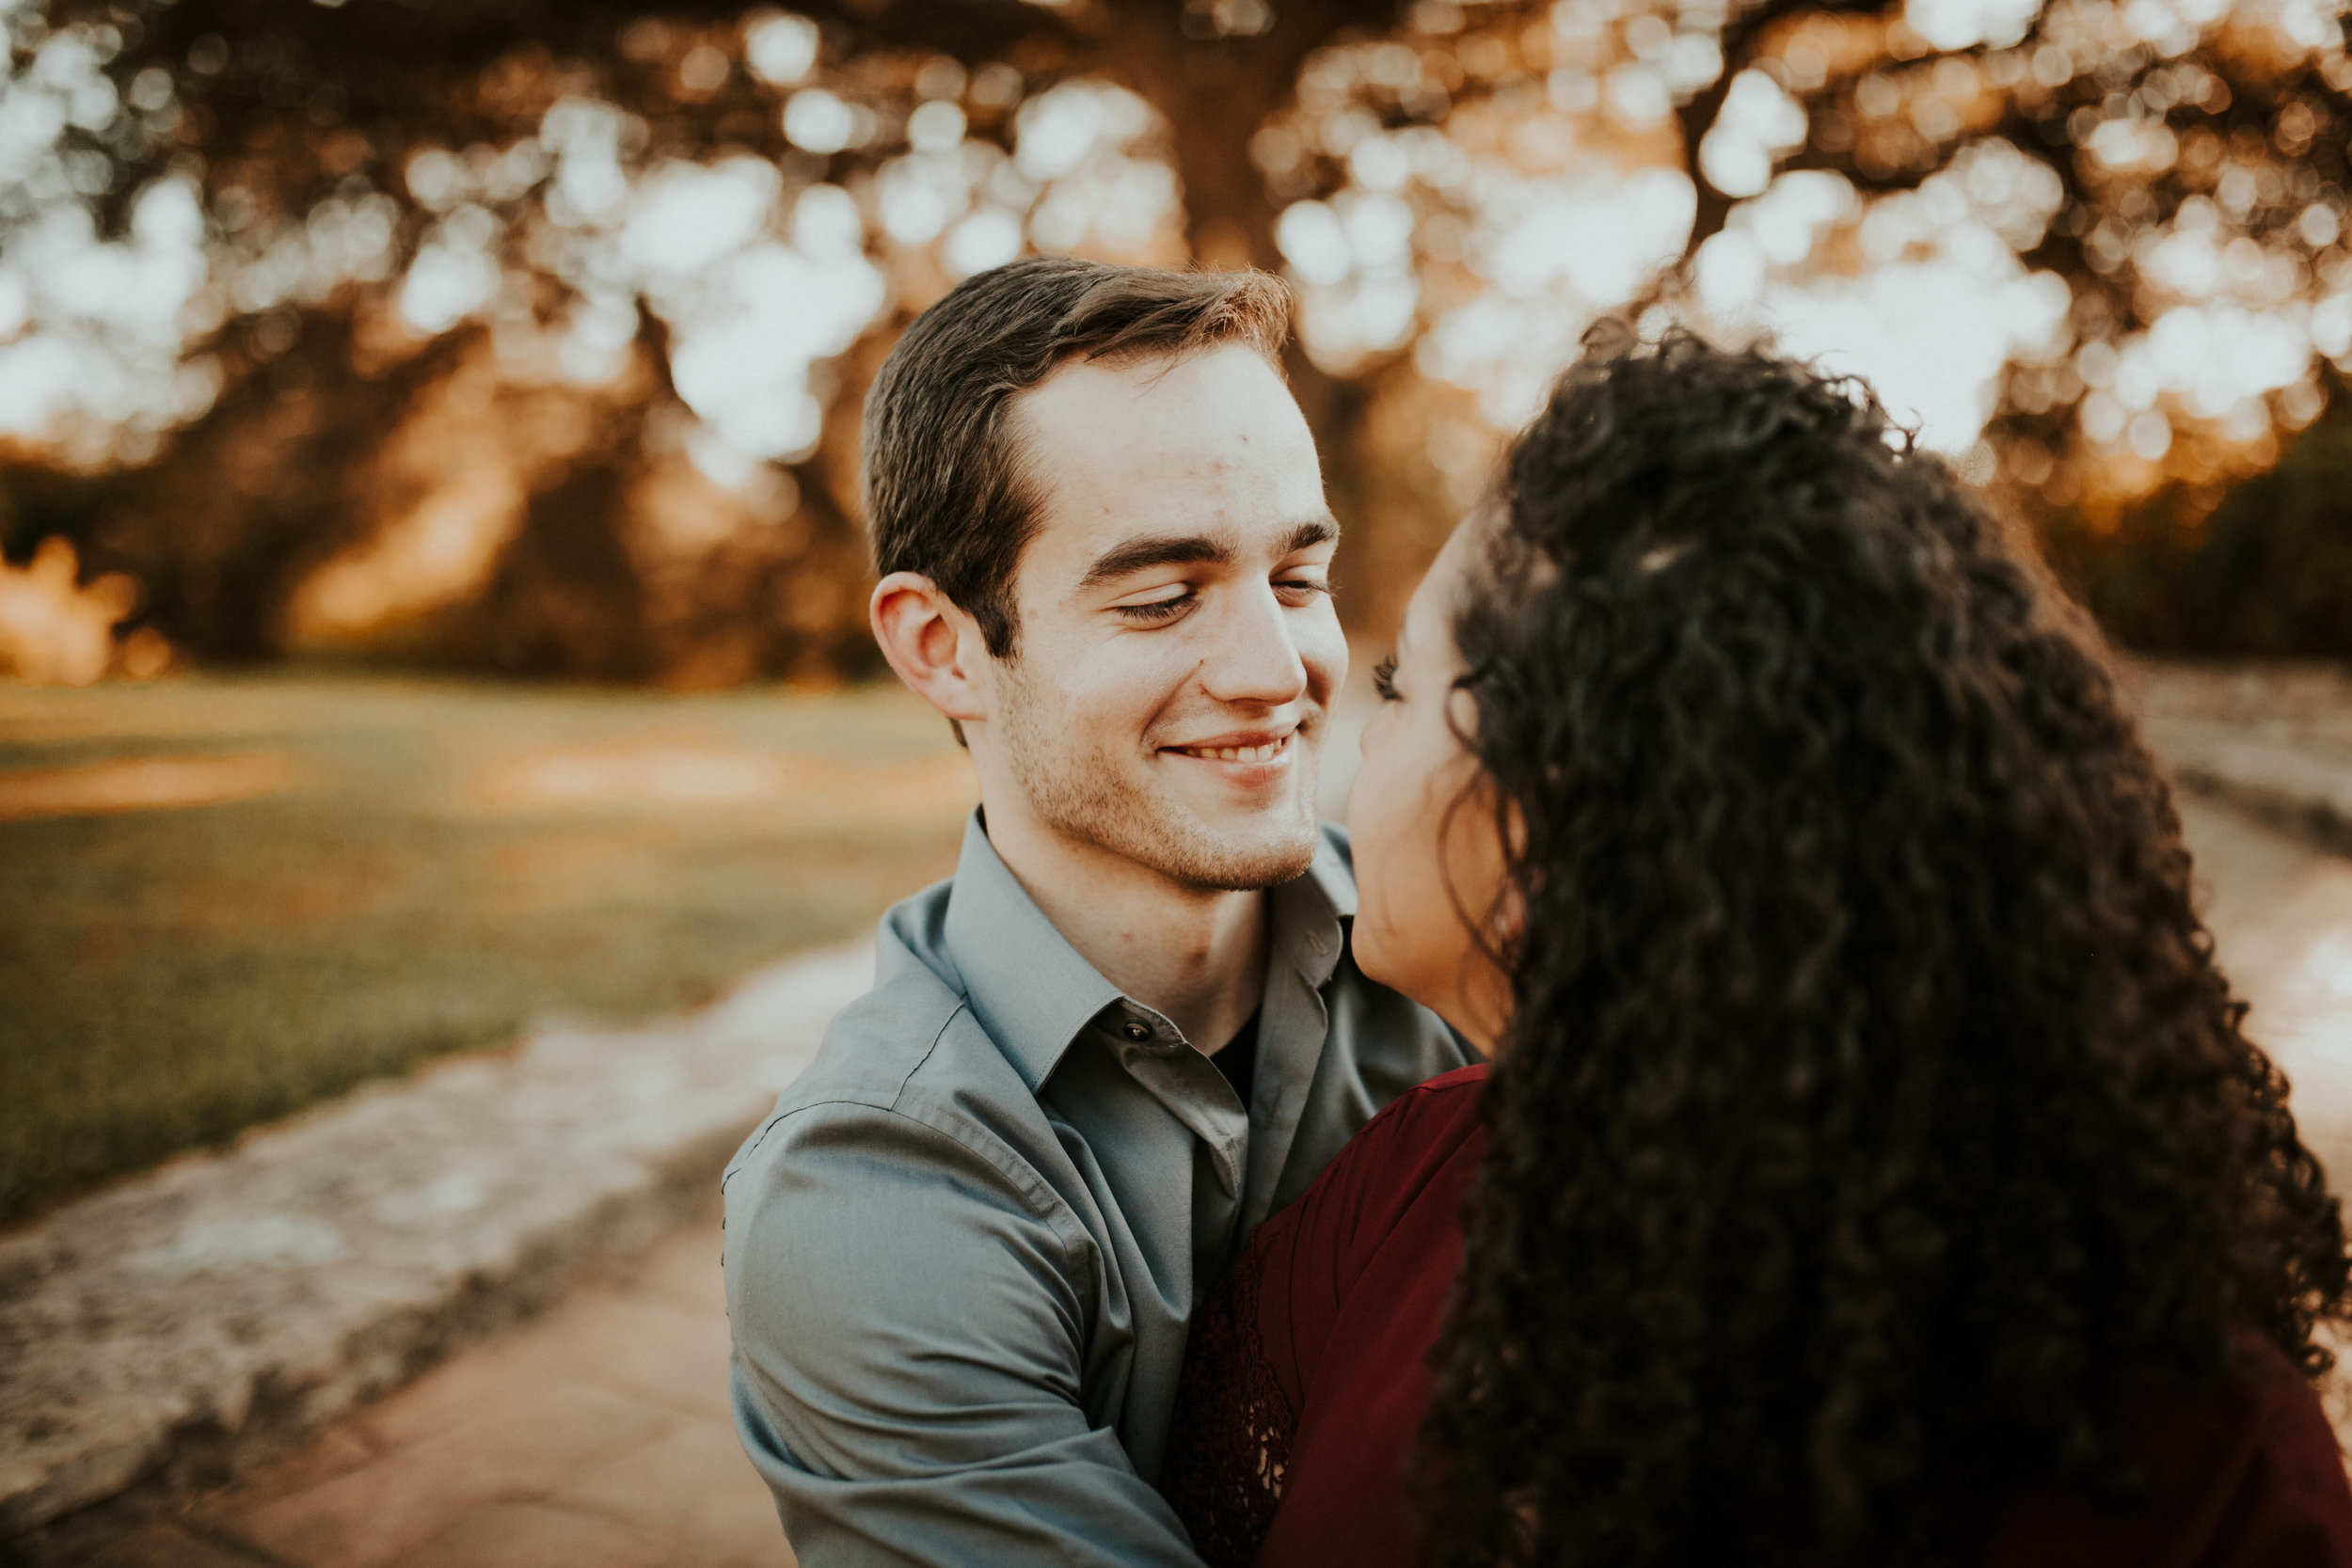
x,y
1237,753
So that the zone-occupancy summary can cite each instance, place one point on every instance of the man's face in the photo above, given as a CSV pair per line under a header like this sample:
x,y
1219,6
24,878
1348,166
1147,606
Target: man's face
x,y
1177,649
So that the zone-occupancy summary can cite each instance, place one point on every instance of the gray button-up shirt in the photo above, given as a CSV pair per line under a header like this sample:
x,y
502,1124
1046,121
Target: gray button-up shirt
x,y
963,1253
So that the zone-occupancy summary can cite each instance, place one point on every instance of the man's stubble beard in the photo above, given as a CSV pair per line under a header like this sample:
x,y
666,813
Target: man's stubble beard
x,y
1087,793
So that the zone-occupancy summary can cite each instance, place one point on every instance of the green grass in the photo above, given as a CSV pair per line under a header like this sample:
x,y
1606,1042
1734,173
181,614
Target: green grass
x,y
440,864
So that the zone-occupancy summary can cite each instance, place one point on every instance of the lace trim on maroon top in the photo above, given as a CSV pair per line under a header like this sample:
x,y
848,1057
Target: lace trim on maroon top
x,y
1228,1442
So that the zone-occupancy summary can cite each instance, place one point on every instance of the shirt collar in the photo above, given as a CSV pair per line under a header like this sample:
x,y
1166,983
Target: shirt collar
x,y
1030,990
1333,872
1034,992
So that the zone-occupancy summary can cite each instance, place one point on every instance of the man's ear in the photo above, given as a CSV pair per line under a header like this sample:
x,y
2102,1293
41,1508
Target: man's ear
x,y
934,645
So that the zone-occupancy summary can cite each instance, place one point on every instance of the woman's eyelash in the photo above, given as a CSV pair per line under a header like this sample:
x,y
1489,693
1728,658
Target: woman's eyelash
x,y
1384,679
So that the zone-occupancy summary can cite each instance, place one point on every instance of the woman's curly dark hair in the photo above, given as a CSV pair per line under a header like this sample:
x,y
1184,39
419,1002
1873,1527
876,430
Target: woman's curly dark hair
x,y
1872,1115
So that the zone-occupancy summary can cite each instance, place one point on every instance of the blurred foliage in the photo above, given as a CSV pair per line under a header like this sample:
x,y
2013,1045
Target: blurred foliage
x,y
2266,574
531,334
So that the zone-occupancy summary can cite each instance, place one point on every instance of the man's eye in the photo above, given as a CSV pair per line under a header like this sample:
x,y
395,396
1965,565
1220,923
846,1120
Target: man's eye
x,y
1156,610
1303,589
1384,679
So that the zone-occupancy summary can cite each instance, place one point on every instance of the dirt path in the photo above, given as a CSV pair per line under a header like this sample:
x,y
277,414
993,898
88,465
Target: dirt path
x,y
2281,914
598,1436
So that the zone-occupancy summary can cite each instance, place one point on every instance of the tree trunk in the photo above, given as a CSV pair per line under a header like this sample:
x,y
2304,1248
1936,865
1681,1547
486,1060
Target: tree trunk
x,y
221,529
1214,93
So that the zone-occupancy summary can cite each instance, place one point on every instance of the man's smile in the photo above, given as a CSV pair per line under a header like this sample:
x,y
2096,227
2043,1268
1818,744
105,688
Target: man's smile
x,y
1246,756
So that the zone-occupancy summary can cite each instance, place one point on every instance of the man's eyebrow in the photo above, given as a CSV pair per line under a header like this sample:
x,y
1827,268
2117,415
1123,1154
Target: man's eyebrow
x,y
1140,555
1315,531
1137,555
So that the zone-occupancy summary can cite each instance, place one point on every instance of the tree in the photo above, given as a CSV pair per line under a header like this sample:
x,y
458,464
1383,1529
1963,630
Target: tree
x,y
2266,574
419,221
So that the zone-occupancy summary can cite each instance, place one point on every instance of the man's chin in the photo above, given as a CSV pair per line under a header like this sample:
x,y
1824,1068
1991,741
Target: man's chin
x,y
1197,840
1242,857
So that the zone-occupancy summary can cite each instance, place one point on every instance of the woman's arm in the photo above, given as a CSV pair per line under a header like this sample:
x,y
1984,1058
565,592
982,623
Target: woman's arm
x,y
1260,1335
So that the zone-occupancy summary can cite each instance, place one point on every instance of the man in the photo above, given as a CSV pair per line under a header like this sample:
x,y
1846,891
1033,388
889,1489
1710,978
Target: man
x,y
963,1253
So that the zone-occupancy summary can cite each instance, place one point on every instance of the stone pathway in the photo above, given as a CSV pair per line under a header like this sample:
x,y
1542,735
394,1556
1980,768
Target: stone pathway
x,y
598,1436
191,1324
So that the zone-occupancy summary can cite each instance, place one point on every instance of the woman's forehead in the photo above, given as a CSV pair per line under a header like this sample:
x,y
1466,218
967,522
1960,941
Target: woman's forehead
x,y
1441,588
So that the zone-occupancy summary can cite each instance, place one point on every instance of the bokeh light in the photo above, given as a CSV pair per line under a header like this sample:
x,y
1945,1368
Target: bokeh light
x,y
2091,248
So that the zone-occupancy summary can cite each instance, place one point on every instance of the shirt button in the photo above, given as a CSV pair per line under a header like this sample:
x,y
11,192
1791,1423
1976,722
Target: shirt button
x,y
1135,1031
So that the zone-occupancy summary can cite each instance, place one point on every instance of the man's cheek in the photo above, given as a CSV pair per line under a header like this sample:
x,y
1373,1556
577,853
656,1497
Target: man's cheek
x,y
1322,648
1124,689
1091,719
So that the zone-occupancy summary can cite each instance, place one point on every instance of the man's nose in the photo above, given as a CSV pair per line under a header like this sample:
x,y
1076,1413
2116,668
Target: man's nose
x,y
1253,657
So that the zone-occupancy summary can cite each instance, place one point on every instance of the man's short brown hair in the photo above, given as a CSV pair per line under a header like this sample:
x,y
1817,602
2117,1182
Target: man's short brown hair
x,y
947,491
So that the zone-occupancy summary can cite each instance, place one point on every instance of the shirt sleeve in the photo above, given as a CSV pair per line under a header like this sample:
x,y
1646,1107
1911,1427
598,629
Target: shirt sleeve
x,y
1314,1260
910,1319
2244,1474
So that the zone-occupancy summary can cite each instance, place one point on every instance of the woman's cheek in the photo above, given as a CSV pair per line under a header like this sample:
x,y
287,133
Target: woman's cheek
x,y
1371,831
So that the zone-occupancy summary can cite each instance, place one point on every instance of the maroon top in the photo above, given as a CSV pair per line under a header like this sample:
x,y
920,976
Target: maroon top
x,y
1307,1374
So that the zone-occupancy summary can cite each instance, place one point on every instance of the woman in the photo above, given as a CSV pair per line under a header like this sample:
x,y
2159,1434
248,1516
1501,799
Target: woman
x,y
1872,1169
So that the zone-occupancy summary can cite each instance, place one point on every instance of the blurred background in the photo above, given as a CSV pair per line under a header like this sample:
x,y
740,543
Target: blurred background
x,y
529,337
428,430
431,585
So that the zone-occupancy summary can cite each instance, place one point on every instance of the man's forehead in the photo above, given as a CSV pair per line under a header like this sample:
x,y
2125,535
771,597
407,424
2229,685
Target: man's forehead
x,y
1171,402
1165,448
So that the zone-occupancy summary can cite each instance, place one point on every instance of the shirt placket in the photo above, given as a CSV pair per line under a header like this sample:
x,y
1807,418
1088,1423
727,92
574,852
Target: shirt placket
x,y
1294,1025
1158,1057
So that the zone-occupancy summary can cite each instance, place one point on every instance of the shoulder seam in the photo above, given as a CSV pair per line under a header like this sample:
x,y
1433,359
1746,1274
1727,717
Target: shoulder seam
x,y
964,1006
774,1117
1044,1203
